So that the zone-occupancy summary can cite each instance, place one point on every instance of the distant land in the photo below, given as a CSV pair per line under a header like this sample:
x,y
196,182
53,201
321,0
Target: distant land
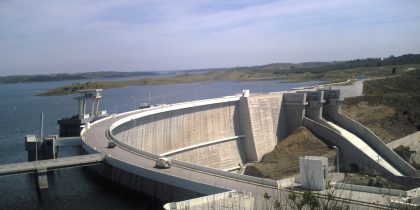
x,y
289,72
76,76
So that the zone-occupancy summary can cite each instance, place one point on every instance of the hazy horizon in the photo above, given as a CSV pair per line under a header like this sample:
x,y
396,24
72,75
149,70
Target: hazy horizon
x,y
180,70
46,37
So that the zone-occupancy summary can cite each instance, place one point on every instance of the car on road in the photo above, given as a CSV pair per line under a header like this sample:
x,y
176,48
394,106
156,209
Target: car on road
x,y
111,145
163,162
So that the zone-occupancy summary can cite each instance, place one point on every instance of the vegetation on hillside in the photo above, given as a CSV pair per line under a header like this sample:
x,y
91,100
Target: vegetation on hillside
x,y
283,161
390,106
236,75
76,76
73,88
322,67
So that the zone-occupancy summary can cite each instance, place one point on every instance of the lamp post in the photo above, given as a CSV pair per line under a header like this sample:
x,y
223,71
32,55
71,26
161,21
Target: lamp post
x,y
338,167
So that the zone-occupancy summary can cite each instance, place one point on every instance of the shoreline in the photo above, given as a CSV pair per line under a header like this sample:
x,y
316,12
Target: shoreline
x,y
337,77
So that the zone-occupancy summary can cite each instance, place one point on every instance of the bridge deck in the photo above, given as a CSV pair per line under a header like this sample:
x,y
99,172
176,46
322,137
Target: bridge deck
x,y
28,167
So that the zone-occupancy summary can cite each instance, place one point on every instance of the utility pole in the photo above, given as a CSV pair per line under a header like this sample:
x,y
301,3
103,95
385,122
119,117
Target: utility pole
x,y
42,126
148,99
40,139
338,166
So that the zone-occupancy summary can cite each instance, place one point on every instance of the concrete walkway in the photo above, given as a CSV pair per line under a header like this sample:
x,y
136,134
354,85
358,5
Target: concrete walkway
x,y
365,148
51,164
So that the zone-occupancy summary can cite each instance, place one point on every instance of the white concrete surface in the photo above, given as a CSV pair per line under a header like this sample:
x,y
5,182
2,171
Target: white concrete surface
x,y
365,148
313,172
198,132
370,189
226,200
264,113
412,141
196,146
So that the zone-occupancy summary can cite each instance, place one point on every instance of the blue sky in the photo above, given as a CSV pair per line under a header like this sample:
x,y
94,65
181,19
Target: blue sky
x,y
47,36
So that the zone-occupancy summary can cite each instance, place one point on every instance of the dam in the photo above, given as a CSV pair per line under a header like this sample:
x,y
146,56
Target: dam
x,y
207,139
211,141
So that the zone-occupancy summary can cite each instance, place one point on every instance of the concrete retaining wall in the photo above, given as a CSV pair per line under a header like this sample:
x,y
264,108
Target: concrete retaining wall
x,y
163,178
244,178
315,101
260,119
158,185
150,183
369,189
286,183
371,139
291,113
246,128
346,91
346,156
230,200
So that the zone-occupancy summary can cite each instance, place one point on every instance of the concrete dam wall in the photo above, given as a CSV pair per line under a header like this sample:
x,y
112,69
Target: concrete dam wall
x,y
204,134
226,133
218,133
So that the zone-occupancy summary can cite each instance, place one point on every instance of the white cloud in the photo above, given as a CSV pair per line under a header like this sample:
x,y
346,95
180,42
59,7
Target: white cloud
x,y
54,36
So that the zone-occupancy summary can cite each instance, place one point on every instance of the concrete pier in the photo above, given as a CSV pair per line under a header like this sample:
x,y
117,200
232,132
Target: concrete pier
x,y
51,164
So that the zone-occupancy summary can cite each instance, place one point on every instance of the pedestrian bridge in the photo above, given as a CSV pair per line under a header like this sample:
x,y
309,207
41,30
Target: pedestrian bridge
x,y
52,164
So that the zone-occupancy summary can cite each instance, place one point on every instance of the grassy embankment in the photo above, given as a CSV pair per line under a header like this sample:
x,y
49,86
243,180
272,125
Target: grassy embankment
x,y
283,161
180,79
245,74
390,106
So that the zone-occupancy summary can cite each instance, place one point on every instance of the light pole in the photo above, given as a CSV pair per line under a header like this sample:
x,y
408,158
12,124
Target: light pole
x,y
338,167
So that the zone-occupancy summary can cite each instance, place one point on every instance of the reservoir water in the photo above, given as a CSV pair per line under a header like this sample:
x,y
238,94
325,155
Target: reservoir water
x,y
74,188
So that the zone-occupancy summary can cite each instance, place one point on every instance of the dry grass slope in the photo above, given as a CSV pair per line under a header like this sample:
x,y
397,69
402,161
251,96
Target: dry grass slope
x,y
390,107
283,161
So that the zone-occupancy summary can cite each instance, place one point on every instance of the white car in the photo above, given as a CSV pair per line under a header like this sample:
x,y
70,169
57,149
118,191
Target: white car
x,y
163,162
